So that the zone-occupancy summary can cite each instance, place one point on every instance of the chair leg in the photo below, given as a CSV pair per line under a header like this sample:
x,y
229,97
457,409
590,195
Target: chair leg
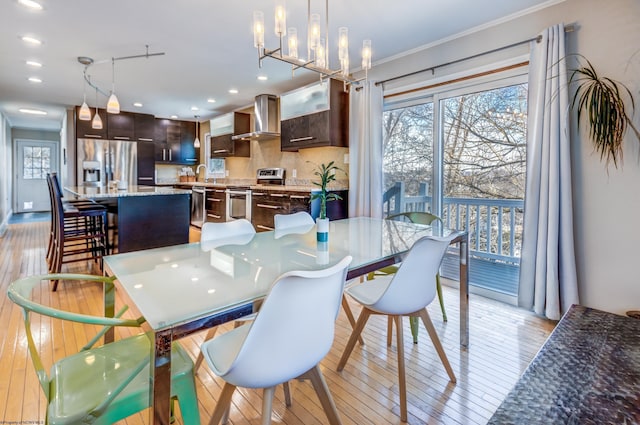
x,y
402,379
222,407
210,334
439,289
352,320
428,324
322,390
267,404
389,331
355,334
287,394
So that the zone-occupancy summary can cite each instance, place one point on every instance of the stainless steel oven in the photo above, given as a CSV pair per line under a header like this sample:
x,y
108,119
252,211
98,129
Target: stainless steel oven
x,y
238,203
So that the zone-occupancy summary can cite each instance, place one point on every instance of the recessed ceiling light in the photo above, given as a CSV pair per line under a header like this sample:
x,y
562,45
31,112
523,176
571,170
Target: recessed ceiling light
x,y
31,4
137,104
34,64
262,77
35,79
233,91
174,117
32,111
31,40
211,100
194,108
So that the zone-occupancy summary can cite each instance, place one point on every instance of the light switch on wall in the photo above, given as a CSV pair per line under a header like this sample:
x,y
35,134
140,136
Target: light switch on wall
x,y
346,158
294,173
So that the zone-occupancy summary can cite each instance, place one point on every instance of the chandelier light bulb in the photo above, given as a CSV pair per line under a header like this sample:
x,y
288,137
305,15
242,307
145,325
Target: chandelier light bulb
x,y
321,57
314,31
281,20
258,29
343,42
366,54
293,42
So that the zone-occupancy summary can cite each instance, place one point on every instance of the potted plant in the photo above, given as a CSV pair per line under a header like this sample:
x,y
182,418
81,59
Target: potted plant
x,y
602,101
326,174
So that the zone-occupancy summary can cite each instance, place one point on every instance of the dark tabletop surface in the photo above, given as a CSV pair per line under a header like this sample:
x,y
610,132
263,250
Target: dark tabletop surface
x,y
588,372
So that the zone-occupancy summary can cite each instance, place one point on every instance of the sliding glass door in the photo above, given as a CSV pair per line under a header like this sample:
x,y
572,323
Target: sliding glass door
x,y
460,154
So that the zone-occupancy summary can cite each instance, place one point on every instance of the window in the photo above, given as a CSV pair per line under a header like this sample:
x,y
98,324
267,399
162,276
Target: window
x,y
477,135
36,162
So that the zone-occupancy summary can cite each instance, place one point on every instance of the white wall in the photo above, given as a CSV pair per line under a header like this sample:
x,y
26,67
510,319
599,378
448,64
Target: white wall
x,y
606,202
5,173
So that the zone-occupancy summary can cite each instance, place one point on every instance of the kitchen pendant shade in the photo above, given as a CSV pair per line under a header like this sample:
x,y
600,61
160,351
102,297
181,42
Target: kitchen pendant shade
x,y
85,112
113,106
97,122
196,142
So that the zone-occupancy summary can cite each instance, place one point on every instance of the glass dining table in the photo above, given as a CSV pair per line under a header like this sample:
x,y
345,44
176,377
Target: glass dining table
x,y
184,289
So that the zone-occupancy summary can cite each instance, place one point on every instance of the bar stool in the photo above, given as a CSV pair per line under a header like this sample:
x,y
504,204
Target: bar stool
x,y
77,231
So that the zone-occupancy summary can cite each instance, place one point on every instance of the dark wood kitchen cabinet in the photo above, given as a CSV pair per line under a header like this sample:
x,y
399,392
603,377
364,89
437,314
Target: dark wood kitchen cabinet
x,y
189,154
144,127
146,163
121,126
84,130
327,126
167,141
265,204
215,205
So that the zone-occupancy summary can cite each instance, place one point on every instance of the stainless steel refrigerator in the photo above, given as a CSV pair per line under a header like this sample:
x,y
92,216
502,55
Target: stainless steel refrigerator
x,y
102,161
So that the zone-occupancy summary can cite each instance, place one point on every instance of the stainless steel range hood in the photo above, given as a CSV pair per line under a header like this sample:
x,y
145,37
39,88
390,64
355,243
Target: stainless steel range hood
x,y
266,119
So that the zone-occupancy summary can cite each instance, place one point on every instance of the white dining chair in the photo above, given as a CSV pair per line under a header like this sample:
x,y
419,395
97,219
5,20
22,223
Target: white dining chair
x,y
302,222
405,293
290,335
214,231
212,235
298,219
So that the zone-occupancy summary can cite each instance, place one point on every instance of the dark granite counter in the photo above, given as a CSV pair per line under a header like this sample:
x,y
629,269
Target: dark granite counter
x,y
588,372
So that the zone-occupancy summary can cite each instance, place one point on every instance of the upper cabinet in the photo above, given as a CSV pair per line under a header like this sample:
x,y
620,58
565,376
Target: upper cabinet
x,y
313,116
144,127
120,126
174,142
189,154
223,128
84,130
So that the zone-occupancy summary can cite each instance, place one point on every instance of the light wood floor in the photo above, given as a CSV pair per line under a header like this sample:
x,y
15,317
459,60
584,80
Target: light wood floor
x,y
503,340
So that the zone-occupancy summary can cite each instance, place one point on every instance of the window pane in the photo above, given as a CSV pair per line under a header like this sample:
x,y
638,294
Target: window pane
x,y
408,157
484,138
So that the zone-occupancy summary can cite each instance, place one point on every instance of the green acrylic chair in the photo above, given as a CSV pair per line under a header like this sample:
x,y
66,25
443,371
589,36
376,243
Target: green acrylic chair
x,y
104,384
418,217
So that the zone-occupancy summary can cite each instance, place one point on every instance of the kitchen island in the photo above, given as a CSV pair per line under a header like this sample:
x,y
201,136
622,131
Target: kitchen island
x,y
142,217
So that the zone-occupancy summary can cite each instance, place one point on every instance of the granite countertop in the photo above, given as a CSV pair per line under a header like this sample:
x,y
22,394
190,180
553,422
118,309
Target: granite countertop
x,y
134,190
253,186
588,372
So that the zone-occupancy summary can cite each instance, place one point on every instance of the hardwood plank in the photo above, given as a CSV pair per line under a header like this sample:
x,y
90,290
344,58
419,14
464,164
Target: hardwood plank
x,y
503,341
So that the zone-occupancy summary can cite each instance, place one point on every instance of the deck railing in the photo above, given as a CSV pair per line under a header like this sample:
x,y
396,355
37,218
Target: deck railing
x,y
494,225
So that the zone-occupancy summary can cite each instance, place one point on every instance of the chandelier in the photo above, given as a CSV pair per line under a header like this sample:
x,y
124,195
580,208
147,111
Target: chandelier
x,y
317,45
113,105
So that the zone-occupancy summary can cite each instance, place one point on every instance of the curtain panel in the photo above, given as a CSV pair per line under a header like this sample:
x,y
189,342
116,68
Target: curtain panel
x,y
548,282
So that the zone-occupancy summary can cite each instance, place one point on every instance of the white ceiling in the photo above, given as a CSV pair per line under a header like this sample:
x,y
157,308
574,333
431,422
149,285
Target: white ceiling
x,y
208,48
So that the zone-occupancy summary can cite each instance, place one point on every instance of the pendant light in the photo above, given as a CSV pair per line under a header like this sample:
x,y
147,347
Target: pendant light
x,y
196,143
85,112
97,121
113,106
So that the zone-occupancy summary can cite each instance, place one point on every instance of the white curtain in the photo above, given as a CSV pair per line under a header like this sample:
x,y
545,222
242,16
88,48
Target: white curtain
x,y
548,282
365,151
